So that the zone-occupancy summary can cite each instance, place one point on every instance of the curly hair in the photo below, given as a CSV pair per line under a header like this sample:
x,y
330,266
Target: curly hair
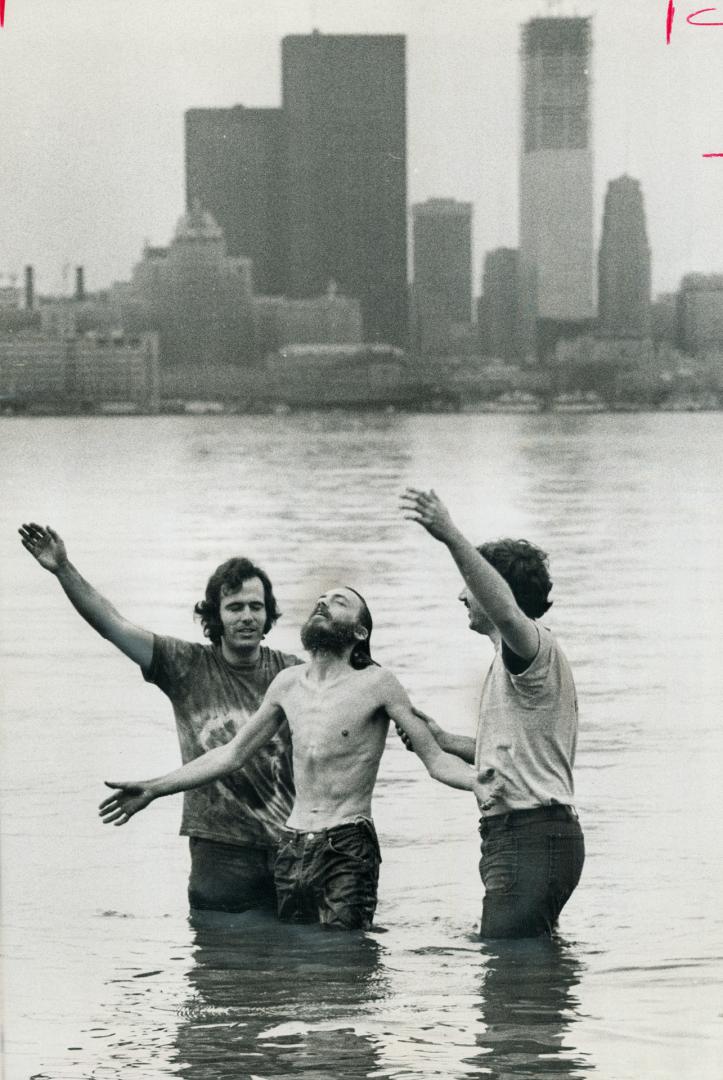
x,y
524,568
226,578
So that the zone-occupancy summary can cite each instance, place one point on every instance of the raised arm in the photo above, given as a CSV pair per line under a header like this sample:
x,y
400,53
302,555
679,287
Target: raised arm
x,y
447,768
48,549
487,586
132,796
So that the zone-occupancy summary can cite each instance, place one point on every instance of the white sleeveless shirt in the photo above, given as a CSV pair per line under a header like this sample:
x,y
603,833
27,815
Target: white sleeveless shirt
x,y
528,729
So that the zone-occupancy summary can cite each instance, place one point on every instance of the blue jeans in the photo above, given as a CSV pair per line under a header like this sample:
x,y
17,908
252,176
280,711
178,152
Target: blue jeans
x,y
330,876
531,862
230,877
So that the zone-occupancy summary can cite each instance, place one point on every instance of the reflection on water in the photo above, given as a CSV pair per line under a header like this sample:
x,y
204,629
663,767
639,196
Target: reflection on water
x,y
271,1001
274,1000
528,1006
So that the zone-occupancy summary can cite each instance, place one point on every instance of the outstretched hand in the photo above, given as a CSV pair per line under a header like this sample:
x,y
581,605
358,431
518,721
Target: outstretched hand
x,y
487,787
128,799
428,510
45,545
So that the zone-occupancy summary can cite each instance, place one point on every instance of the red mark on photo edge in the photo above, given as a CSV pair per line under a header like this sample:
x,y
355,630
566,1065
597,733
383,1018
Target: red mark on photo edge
x,y
712,155
669,22
702,12
2,13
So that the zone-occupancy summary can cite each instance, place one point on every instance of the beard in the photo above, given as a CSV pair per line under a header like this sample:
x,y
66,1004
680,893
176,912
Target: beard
x,y
328,636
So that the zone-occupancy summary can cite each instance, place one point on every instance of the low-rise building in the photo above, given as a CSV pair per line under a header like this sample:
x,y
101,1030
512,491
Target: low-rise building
x,y
338,375
74,373
330,319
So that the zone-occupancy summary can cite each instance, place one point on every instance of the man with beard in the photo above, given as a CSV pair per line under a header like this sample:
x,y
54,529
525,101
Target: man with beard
x,y
233,825
338,709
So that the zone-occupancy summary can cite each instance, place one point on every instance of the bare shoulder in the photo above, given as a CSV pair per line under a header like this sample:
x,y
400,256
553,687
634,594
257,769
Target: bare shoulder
x,y
389,685
286,678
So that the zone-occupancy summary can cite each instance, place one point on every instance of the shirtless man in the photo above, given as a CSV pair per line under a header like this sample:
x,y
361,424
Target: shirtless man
x,y
338,709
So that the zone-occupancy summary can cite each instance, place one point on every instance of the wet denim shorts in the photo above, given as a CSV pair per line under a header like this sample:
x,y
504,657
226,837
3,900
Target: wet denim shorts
x,y
329,876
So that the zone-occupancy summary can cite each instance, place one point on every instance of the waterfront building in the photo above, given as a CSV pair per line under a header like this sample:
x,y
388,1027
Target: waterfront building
x,y
442,287
330,319
338,375
624,263
499,305
556,179
195,295
700,314
57,317
38,372
10,294
344,103
17,306
235,170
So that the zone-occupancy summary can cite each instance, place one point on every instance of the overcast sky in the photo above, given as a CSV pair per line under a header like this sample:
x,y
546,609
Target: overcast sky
x,y
94,91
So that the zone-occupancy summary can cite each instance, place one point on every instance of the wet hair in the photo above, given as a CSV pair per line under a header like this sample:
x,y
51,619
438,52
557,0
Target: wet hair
x,y
524,568
226,578
361,656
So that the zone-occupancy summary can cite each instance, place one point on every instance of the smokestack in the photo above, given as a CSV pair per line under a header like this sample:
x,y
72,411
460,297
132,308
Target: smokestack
x,y
79,283
29,288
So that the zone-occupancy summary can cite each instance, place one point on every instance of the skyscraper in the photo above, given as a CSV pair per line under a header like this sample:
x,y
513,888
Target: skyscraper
x,y
235,171
499,305
442,232
556,183
344,101
624,263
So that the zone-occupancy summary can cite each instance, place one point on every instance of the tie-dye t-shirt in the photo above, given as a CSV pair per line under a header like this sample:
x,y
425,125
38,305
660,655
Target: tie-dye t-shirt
x,y
212,700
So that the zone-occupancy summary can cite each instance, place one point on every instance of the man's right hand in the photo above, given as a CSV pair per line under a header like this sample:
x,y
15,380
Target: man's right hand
x,y
128,799
45,545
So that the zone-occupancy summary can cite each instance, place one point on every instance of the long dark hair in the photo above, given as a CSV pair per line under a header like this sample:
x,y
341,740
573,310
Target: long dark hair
x,y
361,656
228,577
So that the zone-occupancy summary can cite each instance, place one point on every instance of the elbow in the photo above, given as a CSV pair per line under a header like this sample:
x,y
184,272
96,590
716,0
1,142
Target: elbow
x,y
435,766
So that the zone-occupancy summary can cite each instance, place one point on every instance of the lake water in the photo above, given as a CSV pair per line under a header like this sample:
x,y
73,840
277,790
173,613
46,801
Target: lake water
x,y
103,974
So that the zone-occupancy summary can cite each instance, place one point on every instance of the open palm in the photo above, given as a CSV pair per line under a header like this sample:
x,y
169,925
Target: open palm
x,y
45,545
128,799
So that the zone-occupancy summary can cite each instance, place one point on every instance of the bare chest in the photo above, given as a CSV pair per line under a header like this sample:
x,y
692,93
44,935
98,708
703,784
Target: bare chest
x,y
330,720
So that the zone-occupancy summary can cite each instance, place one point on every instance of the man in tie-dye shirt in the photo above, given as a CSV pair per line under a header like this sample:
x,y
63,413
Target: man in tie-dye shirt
x,y
233,824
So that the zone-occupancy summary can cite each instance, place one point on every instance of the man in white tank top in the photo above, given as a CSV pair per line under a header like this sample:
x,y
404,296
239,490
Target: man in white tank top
x,y
532,844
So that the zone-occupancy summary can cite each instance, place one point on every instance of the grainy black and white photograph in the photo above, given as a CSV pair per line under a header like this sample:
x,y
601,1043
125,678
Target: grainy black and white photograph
x,y
361,372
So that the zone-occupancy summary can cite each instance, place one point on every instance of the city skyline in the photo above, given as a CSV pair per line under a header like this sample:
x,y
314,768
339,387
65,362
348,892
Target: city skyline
x,y
123,75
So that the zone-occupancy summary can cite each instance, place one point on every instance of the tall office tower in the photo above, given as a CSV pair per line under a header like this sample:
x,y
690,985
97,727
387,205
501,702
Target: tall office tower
x,y
235,170
624,263
442,289
344,103
499,304
556,183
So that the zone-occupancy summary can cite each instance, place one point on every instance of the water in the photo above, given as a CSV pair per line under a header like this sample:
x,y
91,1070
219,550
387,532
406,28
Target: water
x,y
103,974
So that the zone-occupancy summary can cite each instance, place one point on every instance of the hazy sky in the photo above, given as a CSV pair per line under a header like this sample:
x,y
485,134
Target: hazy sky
x,y
94,91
